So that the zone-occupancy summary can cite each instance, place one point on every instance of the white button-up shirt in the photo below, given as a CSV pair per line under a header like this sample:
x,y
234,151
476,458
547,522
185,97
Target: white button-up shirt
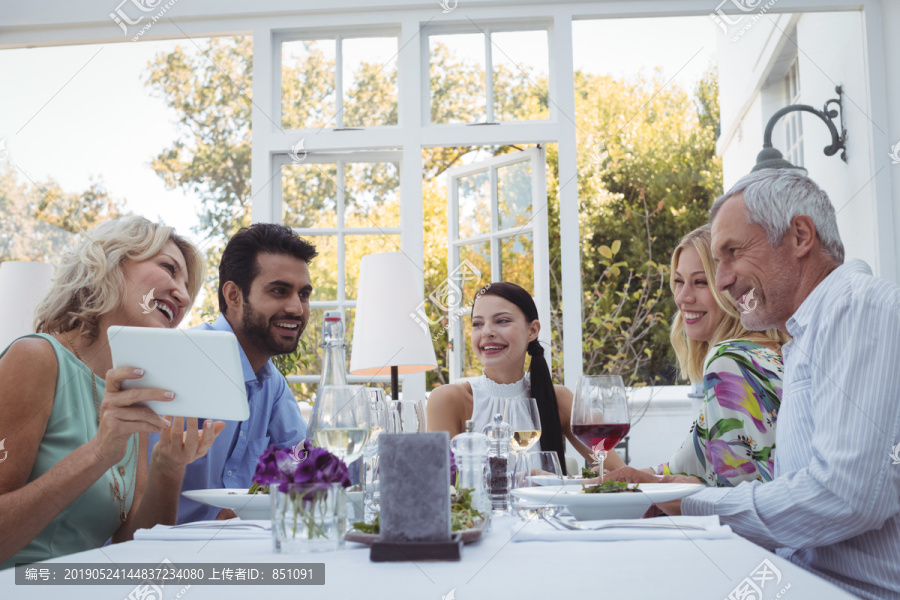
x,y
834,505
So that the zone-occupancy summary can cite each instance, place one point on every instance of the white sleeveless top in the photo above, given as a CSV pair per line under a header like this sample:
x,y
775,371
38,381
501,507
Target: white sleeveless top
x,y
488,397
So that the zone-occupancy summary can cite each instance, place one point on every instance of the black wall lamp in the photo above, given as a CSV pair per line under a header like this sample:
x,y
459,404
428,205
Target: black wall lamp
x,y
771,158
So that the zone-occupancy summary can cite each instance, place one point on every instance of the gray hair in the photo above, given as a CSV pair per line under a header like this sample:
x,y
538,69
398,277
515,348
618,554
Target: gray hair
x,y
775,196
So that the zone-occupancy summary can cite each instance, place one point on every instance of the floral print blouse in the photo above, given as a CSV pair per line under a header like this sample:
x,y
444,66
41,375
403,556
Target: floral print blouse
x,y
733,438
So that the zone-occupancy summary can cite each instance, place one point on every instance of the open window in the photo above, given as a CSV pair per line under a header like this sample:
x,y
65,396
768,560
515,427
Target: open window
x,y
497,231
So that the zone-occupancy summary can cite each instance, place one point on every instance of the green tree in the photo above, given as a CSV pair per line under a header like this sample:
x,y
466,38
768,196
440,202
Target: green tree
x,y
653,180
40,221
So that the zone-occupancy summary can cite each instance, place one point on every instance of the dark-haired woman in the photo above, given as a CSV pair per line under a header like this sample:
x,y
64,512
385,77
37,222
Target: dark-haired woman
x,y
505,329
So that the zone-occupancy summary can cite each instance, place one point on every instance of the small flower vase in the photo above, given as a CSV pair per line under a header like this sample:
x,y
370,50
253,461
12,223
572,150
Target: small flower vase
x,y
308,517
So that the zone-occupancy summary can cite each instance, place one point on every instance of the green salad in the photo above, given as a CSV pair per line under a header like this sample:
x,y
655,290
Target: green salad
x,y
610,487
462,515
258,489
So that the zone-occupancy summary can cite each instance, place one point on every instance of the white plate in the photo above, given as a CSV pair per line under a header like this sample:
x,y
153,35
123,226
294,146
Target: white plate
x,y
623,505
247,506
551,480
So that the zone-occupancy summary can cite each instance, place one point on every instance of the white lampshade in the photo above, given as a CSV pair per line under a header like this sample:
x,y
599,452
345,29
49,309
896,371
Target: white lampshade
x,y
23,284
384,333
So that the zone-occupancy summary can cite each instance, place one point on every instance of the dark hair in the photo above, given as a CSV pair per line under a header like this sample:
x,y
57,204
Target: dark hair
x,y
239,262
541,383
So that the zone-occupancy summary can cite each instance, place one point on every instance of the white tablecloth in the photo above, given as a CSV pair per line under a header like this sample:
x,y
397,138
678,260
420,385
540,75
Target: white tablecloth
x,y
492,568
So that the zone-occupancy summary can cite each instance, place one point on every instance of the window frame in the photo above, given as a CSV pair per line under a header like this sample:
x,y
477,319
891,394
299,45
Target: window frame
x,y
341,302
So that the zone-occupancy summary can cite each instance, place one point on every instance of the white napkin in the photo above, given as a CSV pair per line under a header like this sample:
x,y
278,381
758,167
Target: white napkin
x,y
231,529
541,531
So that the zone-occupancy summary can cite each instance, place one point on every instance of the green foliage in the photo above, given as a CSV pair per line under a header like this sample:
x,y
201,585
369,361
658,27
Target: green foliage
x,y
38,221
652,181
290,364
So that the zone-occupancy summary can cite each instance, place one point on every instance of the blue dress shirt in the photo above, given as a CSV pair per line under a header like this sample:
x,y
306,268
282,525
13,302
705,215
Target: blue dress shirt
x,y
231,461
834,504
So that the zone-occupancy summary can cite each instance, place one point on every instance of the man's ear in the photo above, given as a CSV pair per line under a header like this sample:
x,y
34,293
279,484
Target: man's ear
x,y
803,235
233,297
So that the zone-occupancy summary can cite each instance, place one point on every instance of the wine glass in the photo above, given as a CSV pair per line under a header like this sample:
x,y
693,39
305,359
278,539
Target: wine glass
x,y
600,416
533,470
379,418
406,416
537,469
525,423
343,422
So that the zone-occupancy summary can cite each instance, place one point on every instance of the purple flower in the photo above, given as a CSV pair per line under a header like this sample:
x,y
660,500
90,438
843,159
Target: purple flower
x,y
320,468
266,468
453,469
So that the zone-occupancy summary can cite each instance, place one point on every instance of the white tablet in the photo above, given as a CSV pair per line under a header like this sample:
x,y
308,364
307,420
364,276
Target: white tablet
x,y
203,368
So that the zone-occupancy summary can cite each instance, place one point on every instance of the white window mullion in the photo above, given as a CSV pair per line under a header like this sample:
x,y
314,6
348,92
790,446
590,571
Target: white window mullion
x,y
570,251
339,82
412,94
495,225
261,162
341,296
488,78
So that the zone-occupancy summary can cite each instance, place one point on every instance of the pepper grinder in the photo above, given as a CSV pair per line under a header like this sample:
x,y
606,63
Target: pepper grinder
x,y
471,452
499,434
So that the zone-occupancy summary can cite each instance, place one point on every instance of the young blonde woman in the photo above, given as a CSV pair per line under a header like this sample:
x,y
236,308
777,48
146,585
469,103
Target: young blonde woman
x,y
505,329
733,438
77,470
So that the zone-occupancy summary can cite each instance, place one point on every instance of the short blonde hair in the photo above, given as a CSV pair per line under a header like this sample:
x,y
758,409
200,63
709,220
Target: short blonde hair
x,y
90,281
692,353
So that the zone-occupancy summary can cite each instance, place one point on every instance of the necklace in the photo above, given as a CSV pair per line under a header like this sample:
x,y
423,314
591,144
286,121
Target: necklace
x,y
114,489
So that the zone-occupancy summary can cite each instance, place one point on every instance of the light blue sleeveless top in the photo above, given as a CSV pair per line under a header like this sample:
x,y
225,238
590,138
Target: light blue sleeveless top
x,y
93,517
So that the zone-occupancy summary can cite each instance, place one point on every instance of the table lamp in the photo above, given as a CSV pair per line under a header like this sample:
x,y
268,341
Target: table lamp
x,y
385,338
23,284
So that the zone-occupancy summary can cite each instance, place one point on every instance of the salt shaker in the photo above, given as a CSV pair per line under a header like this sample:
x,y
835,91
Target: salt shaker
x,y
470,450
499,434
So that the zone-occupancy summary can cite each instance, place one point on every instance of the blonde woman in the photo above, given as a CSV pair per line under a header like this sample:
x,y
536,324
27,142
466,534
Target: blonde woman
x,y
733,438
77,470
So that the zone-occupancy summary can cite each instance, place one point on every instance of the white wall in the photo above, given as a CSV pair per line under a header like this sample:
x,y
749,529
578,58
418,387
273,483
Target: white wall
x,y
832,49
824,63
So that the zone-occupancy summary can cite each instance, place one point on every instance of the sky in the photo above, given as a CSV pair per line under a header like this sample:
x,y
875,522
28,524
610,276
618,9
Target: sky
x,y
80,112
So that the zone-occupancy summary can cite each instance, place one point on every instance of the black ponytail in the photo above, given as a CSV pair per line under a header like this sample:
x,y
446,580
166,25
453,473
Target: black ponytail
x,y
541,383
548,408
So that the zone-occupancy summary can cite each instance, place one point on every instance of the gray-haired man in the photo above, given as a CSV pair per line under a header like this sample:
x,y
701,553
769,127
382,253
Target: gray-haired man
x,y
834,505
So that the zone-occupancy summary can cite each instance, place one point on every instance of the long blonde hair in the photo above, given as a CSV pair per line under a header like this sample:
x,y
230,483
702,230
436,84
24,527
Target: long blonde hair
x,y
90,281
692,353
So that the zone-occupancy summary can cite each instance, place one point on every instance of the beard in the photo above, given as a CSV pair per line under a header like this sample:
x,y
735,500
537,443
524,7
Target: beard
x,y
258,330
771,302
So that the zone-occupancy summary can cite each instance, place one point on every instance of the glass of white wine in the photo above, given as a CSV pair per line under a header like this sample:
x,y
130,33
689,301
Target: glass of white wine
x,y
525,422
343,421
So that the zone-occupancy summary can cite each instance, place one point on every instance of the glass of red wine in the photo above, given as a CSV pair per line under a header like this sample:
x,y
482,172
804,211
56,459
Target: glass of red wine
x,y
600,416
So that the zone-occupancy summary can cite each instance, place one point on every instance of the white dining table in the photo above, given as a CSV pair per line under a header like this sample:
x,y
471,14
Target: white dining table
x,y
494,567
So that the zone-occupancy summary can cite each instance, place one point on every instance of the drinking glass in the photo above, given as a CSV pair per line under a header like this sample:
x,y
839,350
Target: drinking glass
x,y
406,416
532,470
525,423
379,418
343,422
537,469
600,416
